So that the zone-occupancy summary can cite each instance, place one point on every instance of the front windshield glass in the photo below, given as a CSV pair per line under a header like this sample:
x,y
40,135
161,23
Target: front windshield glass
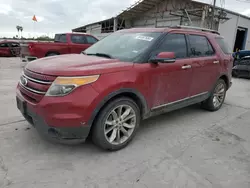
x,y
123,46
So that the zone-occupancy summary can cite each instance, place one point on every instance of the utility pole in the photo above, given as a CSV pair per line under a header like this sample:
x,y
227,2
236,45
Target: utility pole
x,y
213,13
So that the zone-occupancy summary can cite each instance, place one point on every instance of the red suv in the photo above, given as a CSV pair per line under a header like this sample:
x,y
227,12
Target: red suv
x,y
128,76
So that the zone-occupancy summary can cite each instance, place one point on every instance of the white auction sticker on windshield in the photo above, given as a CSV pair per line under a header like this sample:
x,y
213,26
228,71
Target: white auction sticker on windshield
x,y
140,37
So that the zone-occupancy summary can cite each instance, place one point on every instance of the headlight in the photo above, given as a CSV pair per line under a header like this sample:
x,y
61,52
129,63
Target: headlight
x,y
65,85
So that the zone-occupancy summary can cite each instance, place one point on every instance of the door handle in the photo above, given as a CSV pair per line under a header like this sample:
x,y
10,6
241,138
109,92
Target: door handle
x,y
216,62
186,67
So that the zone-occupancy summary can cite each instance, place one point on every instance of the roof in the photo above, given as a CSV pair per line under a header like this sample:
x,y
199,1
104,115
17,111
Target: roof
x,y
193,30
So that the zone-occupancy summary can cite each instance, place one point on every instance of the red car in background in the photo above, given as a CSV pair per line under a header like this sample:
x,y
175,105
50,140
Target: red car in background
x,y
66,43
9,48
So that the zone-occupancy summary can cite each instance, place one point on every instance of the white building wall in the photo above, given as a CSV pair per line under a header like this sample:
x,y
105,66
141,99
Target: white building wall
x,y
229,28
94,29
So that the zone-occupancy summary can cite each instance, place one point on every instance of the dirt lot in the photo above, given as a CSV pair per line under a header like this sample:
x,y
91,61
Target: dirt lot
x,y
186,148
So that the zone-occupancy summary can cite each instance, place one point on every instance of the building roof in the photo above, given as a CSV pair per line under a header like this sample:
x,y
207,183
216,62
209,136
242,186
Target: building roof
x,y
142,6
83,28
226,10
139,7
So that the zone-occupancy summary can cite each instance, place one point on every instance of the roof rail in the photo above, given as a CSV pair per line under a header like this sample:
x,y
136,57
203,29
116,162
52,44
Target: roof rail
x,y
195,28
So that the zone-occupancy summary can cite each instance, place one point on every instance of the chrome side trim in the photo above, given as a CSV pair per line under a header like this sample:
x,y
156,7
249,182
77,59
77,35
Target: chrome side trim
x,y
167,104
37,81
32,90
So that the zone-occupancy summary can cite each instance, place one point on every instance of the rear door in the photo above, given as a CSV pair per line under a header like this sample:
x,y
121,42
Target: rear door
x,y
205,64
4,50
78,43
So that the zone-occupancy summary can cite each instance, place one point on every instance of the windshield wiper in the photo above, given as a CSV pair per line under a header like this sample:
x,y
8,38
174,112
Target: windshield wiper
x,y
102,55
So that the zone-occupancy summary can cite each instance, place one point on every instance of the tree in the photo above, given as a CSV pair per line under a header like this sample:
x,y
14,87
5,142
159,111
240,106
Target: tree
x,y
18,29
21,29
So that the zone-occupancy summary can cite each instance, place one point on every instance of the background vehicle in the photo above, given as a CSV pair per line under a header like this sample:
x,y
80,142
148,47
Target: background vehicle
x,y
9,49
68,43
239,55
128,76
242,67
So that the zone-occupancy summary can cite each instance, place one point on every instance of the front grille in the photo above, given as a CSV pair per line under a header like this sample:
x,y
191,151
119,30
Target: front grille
x,y
34,86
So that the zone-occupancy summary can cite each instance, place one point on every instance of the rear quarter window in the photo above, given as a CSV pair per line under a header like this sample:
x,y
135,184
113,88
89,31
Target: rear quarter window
x,y
223,45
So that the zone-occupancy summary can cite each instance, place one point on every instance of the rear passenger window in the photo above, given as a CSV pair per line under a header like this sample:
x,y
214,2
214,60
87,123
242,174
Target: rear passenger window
x,y
78,39
175,43
200,46
91,40
223,45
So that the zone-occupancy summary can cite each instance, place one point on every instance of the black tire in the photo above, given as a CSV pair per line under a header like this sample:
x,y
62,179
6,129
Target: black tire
x,y
209,104
234,74
98,136
51,54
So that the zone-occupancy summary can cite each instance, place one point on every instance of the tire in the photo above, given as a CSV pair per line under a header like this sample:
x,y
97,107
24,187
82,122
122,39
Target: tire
x,y
105,123
234,74
211,103
51,54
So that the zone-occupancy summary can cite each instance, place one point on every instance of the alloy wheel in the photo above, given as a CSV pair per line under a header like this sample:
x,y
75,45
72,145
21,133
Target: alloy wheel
x,y
219,95
120,124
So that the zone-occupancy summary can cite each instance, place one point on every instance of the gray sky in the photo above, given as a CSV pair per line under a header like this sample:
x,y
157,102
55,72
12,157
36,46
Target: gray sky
x,y
63,15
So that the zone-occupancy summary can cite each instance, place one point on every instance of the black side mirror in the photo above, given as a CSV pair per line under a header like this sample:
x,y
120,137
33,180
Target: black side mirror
x,y
163,57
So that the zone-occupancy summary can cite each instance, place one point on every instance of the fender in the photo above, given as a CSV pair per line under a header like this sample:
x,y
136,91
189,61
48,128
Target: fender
x,y
145,109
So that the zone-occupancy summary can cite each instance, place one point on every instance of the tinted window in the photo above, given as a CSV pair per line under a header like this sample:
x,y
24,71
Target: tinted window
x,y
61,38
91,40
3,45
200,46
78,39
174,43
223,45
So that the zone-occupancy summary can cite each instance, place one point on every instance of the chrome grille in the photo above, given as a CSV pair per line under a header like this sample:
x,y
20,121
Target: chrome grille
x,y
35,85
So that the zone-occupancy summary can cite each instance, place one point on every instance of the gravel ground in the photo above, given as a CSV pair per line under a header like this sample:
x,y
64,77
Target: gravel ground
x,y
186,148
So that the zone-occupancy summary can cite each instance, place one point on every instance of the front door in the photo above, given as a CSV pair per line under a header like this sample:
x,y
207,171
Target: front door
x,y
170,82
205,65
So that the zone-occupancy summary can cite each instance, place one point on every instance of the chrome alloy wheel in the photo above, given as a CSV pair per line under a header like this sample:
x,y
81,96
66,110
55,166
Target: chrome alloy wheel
x,y
120,124
219,95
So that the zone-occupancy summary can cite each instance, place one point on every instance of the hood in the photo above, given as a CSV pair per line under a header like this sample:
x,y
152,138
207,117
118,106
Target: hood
x,y
77,65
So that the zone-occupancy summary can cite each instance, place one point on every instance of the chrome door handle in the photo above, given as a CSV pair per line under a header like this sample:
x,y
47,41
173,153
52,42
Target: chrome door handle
x,y
186,67
216,62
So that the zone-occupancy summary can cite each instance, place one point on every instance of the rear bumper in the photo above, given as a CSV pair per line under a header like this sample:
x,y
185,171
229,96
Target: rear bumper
x,y
28,58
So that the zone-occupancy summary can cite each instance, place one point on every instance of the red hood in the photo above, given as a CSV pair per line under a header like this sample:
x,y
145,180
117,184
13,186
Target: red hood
x,y
77,65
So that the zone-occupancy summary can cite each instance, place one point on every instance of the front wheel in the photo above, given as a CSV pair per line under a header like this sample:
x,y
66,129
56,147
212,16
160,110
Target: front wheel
x,y
116,124
217,98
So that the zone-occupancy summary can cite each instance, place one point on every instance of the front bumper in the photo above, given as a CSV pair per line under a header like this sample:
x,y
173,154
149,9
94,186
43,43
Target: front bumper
x,y
66,134
241,71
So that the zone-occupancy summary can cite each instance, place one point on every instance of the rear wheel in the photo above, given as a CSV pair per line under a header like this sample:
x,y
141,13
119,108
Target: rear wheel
x,y
117,124
215,101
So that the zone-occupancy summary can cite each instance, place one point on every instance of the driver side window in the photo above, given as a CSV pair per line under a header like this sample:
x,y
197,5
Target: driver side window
x,y
176,43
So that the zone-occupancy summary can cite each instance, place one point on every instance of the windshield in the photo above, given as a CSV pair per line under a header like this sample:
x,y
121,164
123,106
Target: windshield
x,y
123,46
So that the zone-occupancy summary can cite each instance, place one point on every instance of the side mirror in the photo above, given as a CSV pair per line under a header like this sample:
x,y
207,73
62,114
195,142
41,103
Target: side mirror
x,y
163,57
